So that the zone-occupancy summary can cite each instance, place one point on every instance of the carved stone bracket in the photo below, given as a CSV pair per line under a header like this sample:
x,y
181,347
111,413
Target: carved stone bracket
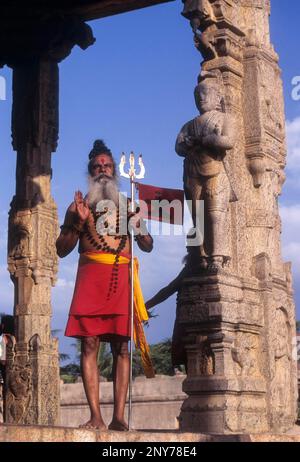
x,y
49,36
216,32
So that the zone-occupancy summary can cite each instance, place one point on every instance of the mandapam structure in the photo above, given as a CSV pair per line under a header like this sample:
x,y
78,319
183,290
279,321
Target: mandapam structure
x,y
237,311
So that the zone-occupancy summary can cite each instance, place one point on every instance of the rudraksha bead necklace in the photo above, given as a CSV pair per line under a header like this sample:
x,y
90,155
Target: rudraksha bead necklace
x,y
99,242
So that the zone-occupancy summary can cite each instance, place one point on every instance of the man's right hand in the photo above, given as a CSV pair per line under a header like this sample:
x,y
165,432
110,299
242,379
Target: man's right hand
x,y
82,208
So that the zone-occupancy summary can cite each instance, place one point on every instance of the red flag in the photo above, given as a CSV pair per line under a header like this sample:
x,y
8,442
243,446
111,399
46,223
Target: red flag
x,y
161,204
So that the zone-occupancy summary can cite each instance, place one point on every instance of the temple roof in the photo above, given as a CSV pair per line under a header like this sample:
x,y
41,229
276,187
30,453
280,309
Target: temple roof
x,y
35,28
14,10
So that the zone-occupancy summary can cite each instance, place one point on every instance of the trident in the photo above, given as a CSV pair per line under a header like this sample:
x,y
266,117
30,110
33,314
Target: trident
x,y
132,175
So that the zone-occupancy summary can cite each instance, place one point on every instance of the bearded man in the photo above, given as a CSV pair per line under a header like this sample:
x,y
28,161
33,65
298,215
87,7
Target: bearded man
x,y
100,306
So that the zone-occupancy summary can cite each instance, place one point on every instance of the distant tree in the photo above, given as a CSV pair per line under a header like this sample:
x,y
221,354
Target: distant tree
x,y
298,326
137,368
7,323
70,369
63,357
161,358
160,355
105,361
77,346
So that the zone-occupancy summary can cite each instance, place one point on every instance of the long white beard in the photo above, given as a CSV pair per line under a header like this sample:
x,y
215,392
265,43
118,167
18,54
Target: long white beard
x,y
102,188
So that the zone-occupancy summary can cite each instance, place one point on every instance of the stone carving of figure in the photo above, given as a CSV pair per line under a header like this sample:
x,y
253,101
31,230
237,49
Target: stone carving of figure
x,y
203,142
281,363
245,355
202,20
18,394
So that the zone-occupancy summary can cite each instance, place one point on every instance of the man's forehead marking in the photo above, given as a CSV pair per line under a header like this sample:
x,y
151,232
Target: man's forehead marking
x,y
102,158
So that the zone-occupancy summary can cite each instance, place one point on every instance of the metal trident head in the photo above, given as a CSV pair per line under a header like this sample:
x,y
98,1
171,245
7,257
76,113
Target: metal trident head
x,y
131,172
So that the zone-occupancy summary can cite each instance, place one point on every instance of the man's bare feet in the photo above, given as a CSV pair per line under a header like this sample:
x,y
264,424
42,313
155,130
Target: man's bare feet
x,y
94,424
118,426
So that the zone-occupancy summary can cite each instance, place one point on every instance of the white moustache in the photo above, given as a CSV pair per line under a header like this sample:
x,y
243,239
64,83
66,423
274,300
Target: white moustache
x,y
101,178
102,187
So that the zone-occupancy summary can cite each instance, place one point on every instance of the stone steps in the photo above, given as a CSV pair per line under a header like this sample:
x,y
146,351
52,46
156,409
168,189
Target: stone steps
x,y
28,433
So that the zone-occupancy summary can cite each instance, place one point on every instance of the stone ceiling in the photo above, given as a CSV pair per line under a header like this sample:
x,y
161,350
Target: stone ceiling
x,y
50,28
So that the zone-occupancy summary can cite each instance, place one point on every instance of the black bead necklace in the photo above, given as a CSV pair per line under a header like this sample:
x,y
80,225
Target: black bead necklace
x,y
99,242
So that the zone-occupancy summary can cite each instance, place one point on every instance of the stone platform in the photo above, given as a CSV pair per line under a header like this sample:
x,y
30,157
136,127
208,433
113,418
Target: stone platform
x,y
24,433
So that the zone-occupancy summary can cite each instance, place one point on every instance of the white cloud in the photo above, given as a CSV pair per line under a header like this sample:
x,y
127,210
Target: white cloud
x,y
64,283
3,233
6,290
3,270
290,216
68,269
291,252
293,142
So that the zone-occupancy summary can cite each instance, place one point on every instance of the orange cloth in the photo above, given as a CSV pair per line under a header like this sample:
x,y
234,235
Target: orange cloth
x,y
140,315
95,313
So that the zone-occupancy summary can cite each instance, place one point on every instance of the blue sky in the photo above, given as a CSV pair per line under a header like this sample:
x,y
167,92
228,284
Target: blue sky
x,y
134,88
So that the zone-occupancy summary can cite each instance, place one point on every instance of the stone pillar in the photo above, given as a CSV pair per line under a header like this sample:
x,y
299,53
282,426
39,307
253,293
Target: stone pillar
x,y
239,320
32,387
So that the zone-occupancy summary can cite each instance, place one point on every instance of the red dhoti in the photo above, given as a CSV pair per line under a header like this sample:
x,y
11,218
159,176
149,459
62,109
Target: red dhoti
x,y
101,300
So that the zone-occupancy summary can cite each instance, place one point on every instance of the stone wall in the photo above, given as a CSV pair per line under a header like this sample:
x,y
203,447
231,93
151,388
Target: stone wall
x,y
156,403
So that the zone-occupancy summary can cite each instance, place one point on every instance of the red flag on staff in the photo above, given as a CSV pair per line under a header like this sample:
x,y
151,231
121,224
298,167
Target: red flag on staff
x,y
161,204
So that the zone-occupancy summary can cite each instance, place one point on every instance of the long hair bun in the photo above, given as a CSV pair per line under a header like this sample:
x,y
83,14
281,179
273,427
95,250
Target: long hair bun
x,y
99,147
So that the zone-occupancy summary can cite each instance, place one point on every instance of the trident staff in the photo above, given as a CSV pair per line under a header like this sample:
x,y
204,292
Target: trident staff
x,y
132,175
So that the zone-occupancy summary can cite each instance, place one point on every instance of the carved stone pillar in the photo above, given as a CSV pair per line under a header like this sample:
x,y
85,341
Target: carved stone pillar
x,y
32,387
239,320
33,47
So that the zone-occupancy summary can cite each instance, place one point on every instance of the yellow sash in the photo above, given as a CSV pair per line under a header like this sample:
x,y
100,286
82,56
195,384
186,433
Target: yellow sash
x,y
140,312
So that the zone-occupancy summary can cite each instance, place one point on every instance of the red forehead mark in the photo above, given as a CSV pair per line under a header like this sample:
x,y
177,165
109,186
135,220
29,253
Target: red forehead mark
x,y
102,159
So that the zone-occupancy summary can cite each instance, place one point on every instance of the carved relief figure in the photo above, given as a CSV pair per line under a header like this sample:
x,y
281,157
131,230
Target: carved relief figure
x,y
205,363
19,240
245,355
281,364
272,107
204,142
200,358
18,393
47,238
202,20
